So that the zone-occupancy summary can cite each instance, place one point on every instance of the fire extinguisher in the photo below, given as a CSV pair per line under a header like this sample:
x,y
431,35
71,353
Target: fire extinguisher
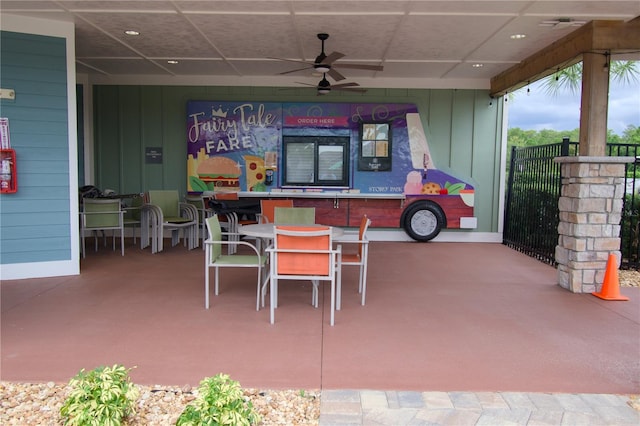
x,y
8,172
5,174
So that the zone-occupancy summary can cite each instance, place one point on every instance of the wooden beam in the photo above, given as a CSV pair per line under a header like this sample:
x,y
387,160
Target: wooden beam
x,y
593,37
594,105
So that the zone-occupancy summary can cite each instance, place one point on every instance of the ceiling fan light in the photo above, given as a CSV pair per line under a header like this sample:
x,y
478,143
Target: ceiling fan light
x,y
323,90
322,68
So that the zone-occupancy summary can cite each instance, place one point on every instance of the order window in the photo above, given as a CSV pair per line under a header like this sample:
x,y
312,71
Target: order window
x,y
316,161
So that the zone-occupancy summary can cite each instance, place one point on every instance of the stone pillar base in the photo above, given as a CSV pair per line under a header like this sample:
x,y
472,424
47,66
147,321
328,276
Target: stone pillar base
x,y
590,209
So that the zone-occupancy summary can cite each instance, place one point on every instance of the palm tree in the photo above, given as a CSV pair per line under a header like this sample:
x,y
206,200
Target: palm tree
x,y
570,78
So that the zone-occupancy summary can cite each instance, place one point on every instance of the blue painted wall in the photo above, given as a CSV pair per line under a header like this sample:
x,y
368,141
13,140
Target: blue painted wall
x,y
35,222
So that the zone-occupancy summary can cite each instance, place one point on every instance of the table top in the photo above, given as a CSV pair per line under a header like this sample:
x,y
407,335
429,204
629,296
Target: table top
x,y
265,230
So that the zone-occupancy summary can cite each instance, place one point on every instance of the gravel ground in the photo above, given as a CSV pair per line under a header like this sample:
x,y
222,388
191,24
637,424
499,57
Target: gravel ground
x,y
39,404
629,278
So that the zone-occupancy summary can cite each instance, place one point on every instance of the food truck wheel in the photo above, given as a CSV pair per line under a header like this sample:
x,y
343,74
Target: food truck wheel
x,y
423,221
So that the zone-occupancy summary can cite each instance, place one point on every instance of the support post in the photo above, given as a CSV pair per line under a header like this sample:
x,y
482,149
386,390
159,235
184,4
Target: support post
x,y
590,210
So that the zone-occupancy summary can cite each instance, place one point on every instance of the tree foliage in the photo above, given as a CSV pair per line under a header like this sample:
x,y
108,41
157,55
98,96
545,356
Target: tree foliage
x,y
570,78
519,137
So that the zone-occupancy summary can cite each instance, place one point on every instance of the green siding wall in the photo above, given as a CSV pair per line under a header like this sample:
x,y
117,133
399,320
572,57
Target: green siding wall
x,y
34,222
463,132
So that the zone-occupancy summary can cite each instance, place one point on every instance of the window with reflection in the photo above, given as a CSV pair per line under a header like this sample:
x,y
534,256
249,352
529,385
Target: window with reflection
x,y
315,161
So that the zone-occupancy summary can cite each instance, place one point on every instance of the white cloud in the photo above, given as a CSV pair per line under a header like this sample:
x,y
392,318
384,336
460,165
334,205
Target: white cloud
x,y
537,110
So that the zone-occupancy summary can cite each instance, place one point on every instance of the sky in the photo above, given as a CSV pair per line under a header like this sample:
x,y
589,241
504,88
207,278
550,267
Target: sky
x,y
537,110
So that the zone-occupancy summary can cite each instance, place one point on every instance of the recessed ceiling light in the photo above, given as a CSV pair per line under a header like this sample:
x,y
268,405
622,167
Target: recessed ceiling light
x,y
172,61
132,32
518,36
477,65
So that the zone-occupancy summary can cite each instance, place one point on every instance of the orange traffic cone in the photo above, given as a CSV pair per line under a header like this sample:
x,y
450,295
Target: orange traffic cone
x,y
611,286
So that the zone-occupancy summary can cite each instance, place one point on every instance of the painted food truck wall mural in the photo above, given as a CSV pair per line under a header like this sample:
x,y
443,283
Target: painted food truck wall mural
x,y
344,159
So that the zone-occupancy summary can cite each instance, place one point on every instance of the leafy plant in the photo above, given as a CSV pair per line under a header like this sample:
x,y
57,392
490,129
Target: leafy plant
x,y
103,396
220,401
570,78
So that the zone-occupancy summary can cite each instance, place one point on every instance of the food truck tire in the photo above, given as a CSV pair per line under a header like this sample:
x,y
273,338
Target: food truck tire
x,y
423,221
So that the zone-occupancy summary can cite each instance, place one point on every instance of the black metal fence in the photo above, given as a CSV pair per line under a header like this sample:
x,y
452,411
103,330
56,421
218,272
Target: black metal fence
x,y
533,189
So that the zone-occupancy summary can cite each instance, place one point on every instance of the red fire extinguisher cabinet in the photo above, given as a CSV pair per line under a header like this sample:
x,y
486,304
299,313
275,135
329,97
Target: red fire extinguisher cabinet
x,y
8,171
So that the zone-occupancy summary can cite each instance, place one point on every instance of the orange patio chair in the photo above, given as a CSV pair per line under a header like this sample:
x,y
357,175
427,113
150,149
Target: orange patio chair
x,y
357,258
303,253
267,209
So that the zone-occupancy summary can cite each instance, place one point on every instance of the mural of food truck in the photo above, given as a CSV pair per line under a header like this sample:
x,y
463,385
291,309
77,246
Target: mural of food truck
x,y
343,159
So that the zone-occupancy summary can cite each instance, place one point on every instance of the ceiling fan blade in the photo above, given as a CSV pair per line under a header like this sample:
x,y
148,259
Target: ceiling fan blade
x,y
335,75
291,60
359,66
296,70
351,89
341,85
306,84
333,56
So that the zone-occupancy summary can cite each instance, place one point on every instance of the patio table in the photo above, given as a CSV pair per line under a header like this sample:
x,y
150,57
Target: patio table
x,y
265,230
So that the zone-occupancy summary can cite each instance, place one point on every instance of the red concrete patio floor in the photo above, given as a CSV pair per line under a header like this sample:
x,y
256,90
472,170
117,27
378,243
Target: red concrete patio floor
x,y
439,316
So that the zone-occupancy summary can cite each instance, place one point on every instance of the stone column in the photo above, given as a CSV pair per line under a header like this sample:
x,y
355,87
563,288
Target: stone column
x,y
590,208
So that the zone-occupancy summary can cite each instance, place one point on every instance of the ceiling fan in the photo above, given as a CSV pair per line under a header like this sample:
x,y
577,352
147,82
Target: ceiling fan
x,y
324,87
327,64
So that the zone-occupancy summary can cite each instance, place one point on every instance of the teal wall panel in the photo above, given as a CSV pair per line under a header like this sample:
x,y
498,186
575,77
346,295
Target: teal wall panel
x,y
107,140
35,222
439,122
129,140
153,124
486,122
462,131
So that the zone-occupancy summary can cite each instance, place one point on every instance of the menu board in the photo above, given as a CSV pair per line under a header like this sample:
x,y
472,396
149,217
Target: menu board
x,y
375,147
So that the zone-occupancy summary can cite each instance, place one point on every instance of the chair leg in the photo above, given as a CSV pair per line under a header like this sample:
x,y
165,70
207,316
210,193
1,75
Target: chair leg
x,y
217,280
333,300
273,300
206,278
339,287
339,275
314,293
259,287
275,290
363,274
265,281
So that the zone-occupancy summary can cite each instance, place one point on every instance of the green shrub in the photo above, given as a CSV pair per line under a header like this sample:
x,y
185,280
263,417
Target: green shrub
x,y
220,401
630,228
103,396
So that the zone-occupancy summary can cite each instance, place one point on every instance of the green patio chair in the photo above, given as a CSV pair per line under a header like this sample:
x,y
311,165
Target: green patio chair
x,y
133,213
294,215
173,215
101,215
200,203
214,258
